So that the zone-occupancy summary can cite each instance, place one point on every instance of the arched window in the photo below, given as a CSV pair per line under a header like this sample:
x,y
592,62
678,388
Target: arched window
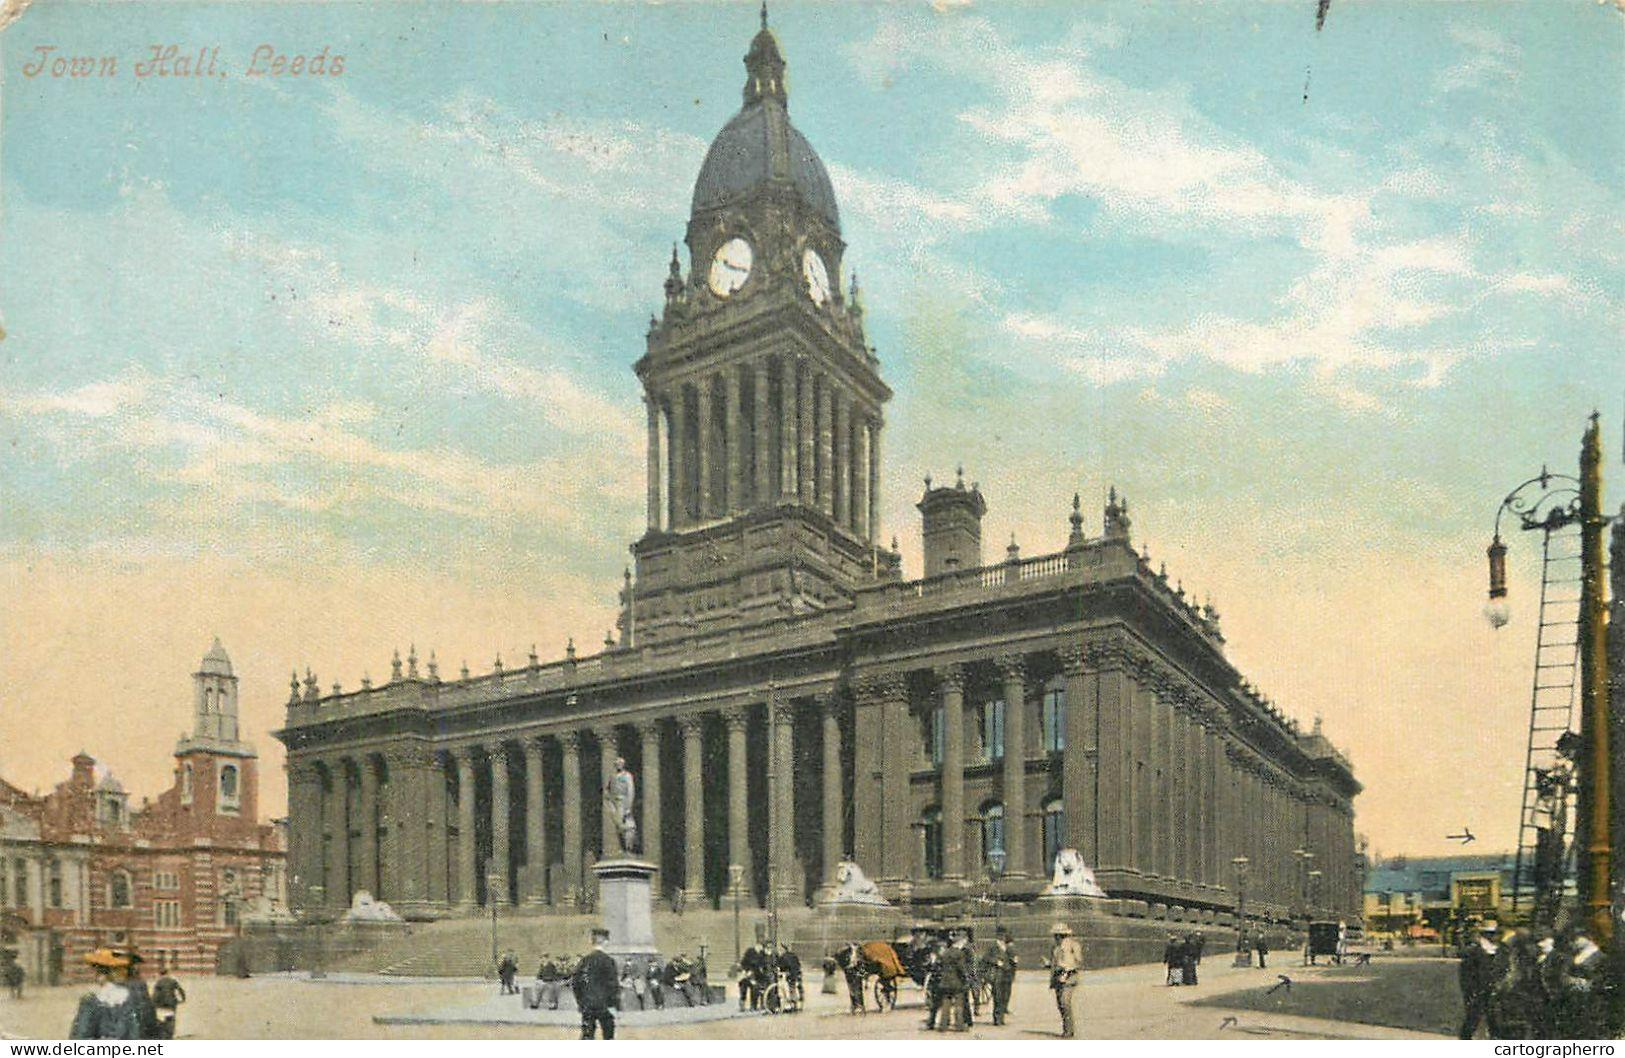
x,y
993,730
228,782
933,842
1055,717
118,889
208,700
1054,831
186,784
992,830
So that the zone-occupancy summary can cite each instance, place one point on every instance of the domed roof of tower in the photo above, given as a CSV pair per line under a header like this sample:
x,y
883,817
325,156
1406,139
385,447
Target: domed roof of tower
x,y
760,145
110,784
215,662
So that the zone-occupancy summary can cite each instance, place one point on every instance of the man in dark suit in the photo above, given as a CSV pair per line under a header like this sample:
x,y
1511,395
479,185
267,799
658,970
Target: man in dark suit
x,y
597,987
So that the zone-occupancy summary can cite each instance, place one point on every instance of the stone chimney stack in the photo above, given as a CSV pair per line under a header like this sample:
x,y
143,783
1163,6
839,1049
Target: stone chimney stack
x,y
951,525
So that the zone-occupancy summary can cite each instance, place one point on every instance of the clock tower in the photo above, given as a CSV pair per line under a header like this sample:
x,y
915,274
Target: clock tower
x,y
764,399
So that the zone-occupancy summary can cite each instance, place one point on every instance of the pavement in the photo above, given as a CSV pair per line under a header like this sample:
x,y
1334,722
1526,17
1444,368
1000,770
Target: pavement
x,y
1122,1003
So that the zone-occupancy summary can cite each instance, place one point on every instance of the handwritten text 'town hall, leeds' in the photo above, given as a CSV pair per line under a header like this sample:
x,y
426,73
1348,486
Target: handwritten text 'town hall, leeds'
x,y
182,61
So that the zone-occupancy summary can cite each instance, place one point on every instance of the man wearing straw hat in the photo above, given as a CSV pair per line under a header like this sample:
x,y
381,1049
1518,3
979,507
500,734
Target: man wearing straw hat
x,y
1065,970
114,1010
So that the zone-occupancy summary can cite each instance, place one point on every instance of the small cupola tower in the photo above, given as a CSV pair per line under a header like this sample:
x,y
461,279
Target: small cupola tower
x,y
951,526
214,697
215,768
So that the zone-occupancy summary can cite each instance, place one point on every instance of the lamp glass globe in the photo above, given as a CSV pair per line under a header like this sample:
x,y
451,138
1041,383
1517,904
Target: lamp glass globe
x,y
1497,612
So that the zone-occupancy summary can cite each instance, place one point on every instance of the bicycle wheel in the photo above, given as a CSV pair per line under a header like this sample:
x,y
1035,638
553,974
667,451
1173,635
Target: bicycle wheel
x,y
885,994
773,1001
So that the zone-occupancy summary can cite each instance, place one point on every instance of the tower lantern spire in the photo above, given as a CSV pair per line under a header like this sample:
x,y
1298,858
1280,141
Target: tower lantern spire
x,y
764,67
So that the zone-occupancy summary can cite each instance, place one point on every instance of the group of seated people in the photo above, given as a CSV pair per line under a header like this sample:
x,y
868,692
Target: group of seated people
x,y
679,977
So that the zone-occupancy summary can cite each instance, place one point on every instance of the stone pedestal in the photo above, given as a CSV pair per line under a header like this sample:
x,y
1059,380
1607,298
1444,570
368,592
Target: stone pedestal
x,y
625,901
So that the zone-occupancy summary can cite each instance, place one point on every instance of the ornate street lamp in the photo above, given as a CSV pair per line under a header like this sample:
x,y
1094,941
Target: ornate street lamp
x,y
316,915
491,881
1549,502
996,859
736,878
1243,953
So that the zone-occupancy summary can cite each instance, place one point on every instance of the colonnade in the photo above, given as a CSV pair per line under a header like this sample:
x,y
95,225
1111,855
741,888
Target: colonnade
x,y
465,824
747,435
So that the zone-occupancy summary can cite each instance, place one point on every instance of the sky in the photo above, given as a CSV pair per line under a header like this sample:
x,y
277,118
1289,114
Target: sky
x,y
333,365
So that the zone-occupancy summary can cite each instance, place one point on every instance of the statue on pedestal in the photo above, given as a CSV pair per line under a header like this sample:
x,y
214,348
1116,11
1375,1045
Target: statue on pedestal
x,y
620,798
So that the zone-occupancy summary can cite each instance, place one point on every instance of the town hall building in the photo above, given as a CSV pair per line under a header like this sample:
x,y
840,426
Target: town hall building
x,y
786,700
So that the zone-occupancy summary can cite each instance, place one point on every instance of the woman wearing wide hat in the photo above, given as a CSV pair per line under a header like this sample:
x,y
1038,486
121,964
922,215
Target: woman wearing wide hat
x,y
115,1009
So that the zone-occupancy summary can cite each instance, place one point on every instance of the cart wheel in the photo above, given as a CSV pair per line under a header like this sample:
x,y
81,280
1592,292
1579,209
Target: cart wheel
x,y
885,994
773,1001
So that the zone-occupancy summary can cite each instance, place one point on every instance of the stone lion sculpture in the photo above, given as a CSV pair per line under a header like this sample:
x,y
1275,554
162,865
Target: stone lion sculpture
x,y
363,908
1072,876
852,886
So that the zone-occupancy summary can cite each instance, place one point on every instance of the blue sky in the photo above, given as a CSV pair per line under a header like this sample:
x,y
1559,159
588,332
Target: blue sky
x,y
329,365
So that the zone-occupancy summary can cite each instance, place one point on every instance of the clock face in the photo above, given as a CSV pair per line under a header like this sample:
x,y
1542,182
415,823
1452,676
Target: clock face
x,y
730,267
812,266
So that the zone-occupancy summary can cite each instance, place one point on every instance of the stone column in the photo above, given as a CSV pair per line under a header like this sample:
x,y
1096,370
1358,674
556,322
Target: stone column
x,y
1113,784
649,787
653,461
1013,674
404,821
467,869
702,445
1163,761
573,854
951,679
841,420
734,386
789,428
305,826
762,442
609,839
366,827
825,439
859,458
874,480
868,775
437,835
807,405
535,824
898,758
339,822
738,803
782,828
833,822
1083,698
693,810
677,494
498,867
1194,838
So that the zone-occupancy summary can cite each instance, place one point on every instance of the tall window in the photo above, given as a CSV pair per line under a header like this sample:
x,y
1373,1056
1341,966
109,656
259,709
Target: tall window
x,y
19,883
186,784
1055,718
992,830
53,883
993,730
933,735
933,843
118,889
1054,831
228,788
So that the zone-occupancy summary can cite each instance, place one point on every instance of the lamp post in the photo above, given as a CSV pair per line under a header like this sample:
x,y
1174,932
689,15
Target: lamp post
x,y
996,859
491,898
317,913
1549,502
1243,955
736,875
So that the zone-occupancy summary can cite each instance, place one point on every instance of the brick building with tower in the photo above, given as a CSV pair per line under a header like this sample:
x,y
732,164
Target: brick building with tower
x,y
1000,707
172,878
